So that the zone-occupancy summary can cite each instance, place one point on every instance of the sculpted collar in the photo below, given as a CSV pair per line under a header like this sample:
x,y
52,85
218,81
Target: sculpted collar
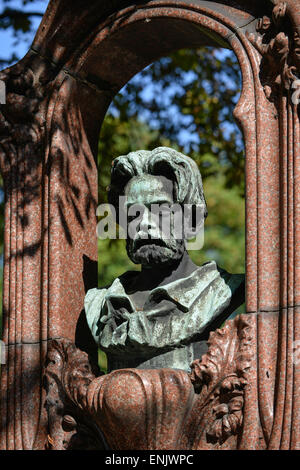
x,y
173,316
189,288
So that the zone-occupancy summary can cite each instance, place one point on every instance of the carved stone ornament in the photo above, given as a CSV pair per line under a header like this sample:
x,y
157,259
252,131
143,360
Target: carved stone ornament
x,y
151,409
22,122
279,44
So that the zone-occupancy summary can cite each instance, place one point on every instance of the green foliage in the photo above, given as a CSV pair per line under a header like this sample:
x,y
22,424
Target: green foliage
x,y
1,287
194,93
119,137
224,227
113,261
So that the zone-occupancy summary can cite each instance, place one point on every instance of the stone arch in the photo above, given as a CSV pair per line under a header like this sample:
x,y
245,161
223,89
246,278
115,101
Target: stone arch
x,y
81,56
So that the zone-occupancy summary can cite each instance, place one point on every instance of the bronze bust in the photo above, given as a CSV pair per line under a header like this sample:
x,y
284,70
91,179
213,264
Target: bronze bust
x,y
160,317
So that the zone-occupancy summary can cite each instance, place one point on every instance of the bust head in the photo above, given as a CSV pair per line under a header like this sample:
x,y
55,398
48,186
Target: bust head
x,y
148,244
163,179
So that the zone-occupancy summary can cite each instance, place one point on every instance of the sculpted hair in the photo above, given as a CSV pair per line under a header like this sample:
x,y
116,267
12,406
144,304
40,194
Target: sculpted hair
x,y
162,161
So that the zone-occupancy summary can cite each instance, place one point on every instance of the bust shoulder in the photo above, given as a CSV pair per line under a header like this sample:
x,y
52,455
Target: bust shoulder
x,y
93,295
92,305
95,299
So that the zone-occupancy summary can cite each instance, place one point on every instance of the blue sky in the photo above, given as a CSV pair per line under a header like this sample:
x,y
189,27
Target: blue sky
x,y
9,43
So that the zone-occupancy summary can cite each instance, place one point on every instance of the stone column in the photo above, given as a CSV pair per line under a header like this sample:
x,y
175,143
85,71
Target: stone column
x,y
50,179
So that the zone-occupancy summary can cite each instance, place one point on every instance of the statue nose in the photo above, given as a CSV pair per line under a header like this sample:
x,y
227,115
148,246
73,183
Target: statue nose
x,y
146,222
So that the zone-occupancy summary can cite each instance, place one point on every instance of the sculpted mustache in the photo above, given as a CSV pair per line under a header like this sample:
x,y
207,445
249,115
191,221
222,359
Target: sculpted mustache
x,y
148,241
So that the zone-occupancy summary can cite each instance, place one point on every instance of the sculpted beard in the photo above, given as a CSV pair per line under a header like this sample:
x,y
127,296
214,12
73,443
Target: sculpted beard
x,y
151,252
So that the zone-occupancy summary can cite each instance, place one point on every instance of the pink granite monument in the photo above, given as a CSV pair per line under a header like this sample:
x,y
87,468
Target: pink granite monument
x,y
245,392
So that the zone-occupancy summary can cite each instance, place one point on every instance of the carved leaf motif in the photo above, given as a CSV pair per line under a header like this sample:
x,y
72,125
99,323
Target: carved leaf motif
x,y
221,377
263,24
68,373
279,46
279,12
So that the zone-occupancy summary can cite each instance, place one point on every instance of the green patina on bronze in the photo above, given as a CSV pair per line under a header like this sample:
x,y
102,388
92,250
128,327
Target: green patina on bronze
x,y
161,316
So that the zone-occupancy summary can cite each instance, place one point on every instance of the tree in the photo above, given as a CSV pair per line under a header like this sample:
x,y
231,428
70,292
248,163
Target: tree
x,y
190,97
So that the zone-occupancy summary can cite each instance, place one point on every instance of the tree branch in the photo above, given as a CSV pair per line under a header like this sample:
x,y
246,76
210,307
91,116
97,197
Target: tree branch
x,y
13,14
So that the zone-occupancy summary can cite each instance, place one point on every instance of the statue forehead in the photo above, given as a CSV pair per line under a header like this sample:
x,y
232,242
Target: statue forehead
x,y
147,187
